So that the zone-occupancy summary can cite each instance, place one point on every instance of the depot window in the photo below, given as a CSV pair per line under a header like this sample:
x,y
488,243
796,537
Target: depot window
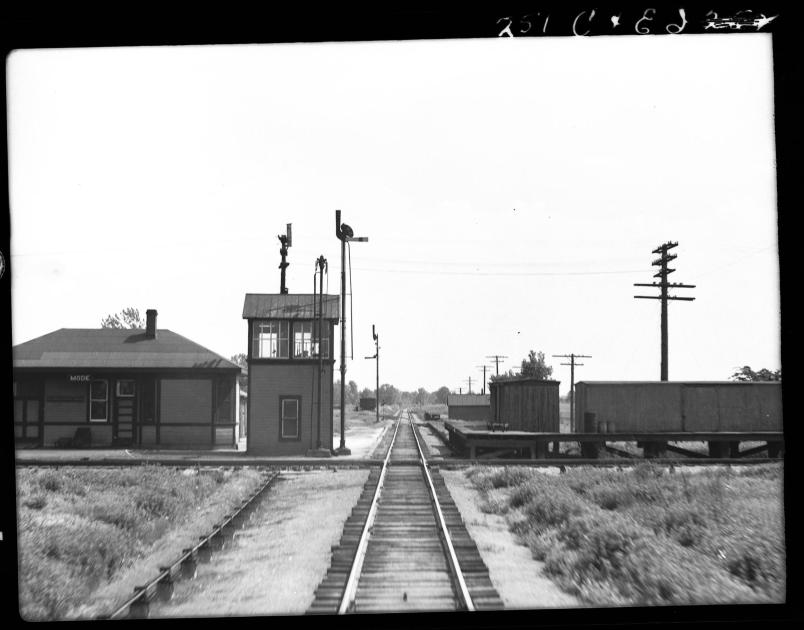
x,y
271,339
98,401
125,388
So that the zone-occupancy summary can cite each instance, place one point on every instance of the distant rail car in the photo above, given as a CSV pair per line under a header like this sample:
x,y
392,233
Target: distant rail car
x,y
721,413
689,406
733,419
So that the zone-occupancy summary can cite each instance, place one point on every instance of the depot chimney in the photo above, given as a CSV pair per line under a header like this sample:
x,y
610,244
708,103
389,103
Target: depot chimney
x,y
150,323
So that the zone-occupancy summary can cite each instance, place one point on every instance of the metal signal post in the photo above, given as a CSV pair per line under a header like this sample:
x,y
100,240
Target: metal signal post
x,y
286,241
321,269
345,235
377,358
664,286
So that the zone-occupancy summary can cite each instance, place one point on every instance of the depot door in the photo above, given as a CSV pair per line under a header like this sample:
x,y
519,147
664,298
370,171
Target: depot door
x,y
28,411
125,411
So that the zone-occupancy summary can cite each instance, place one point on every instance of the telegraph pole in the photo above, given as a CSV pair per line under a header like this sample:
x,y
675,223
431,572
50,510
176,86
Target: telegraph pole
x,y
572,365
470,384
664,287
483,391
497,358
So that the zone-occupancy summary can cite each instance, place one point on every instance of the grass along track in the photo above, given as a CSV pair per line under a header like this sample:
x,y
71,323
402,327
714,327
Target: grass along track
x,y
645,535
86,535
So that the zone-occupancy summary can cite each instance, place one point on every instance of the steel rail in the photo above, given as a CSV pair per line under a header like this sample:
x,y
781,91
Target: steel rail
x,y
144,593
350,590
455,566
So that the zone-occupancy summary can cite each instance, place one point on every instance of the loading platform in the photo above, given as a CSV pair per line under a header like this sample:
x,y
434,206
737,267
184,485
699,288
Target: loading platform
x,y
490,443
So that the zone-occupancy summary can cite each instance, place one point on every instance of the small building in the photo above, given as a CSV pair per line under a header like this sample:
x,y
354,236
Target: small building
x,y
368,404
123,387
289,362
469,407
526,404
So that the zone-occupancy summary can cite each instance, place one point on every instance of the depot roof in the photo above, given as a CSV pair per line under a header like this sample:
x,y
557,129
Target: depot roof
x,y
116,348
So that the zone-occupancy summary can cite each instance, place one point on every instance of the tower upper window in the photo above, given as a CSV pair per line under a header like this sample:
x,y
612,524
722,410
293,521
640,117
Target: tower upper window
x,y
271,339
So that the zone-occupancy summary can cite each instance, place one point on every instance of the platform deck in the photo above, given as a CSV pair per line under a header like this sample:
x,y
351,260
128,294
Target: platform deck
x,y
465,439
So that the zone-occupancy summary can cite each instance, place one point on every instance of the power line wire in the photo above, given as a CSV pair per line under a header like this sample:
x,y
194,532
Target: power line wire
x,y
430,272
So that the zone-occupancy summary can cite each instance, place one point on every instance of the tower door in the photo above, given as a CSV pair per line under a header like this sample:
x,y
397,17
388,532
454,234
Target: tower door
x,y
125,412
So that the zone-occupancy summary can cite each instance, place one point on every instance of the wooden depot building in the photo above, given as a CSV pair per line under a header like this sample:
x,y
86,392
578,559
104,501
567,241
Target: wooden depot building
x,y
290,372
123,387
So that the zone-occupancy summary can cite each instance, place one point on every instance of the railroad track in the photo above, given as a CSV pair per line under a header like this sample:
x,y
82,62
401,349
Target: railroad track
x,y
404,547
185,566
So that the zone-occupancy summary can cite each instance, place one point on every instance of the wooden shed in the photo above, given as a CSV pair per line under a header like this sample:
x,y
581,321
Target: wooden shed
x,y
526,404
648,406
469,407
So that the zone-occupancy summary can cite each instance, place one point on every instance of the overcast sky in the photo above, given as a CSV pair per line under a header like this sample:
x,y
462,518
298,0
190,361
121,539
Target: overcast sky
x,y
512,191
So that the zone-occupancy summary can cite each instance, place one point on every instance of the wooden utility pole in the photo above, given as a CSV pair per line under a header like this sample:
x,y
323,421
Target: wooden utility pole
x,y
572,365
470,384
497,358
483,391
664,287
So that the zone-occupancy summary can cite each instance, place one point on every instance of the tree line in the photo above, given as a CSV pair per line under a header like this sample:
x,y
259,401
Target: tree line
x,y
390,395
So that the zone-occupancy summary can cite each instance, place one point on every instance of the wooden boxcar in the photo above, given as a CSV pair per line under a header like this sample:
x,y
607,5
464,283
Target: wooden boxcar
x,y
469,407
667,406
526,404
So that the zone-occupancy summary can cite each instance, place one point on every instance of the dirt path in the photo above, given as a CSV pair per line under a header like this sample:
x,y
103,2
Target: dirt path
x,y
517,577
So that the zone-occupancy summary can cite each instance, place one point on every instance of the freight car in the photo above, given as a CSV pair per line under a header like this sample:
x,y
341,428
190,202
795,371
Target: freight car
x,y
722,413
